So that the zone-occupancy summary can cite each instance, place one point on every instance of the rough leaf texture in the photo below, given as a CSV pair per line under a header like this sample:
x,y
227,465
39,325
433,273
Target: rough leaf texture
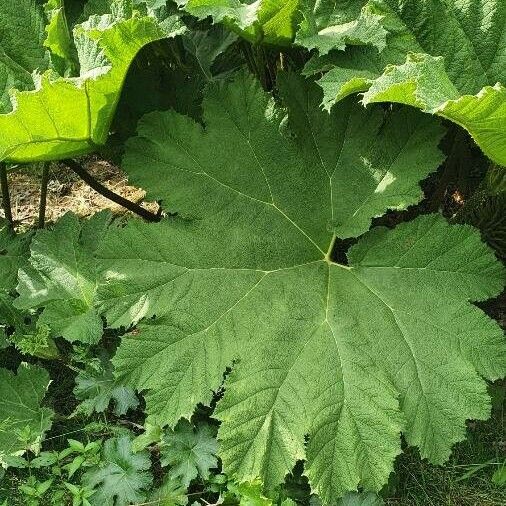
x,y
62,278
349,355
20,408
443,57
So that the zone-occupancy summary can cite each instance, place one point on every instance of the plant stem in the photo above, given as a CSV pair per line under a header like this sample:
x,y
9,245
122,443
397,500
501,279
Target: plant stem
x,y
118,199
328,256
6,199
43,195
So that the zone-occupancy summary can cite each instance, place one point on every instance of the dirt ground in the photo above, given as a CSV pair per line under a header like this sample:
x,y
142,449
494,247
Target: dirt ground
x,y
68,193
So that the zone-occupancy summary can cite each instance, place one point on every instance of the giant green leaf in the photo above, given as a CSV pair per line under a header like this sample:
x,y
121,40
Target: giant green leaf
x,y
443,57
244,277
265,21
69,116
23,422
348,354
22,50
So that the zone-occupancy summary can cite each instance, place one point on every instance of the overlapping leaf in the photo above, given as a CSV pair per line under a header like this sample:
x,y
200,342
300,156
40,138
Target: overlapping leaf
x,y
14,252
266,21
170,493
97,388
22,50
443,57
22,329
62,278
122,477
21,412
59,37
208,55
69,116
189,452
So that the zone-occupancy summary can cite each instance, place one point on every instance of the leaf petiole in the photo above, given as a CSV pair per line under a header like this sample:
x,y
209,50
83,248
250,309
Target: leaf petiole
x,y
109,194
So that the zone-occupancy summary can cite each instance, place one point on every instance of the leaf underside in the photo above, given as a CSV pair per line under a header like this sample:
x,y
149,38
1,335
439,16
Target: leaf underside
x,y
55,117
263,21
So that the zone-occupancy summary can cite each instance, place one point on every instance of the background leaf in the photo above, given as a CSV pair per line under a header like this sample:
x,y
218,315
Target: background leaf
x,y
189,452
122,477
23,421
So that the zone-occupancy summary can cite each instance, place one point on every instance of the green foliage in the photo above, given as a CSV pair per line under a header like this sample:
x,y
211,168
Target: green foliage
x,y
334,25
369,141
32,338
265,21
23,421
430,54
297,317
62,278
96,388
71,116
206,46
486,210
189,453
355,499
14,250
35,490
59,37
435,57
248,494
275,277
188,63
499,476
171,493
122,476
22,50
51,473
272,277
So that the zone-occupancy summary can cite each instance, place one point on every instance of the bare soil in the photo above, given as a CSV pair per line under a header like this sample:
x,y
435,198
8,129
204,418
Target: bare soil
x,y
68,193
